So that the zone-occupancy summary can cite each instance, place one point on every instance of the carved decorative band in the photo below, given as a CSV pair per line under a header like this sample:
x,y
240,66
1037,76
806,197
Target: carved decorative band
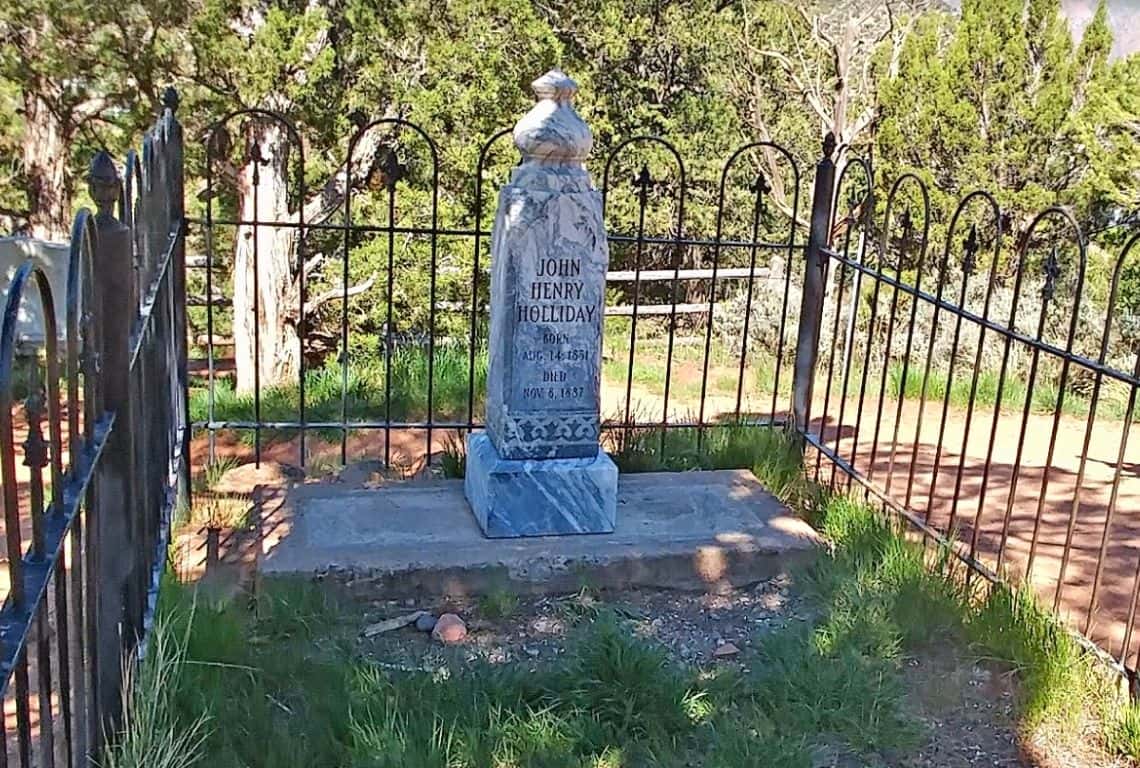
x,y
555,429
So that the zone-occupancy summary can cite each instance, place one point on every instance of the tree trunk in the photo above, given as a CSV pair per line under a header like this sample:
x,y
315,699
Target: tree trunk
x,y
266,347
45,168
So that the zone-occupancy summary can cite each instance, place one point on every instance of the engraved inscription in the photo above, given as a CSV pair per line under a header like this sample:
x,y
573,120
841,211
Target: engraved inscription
x,y
557,317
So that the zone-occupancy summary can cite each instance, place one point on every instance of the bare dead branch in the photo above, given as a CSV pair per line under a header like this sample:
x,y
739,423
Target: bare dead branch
x,y
315,303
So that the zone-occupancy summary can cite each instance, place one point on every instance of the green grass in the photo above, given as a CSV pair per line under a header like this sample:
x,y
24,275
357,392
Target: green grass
x,y
1012,395
158,734
364,397
767,452
1111,404
1124,732
649,373
281,682
499,603
281,686
213,472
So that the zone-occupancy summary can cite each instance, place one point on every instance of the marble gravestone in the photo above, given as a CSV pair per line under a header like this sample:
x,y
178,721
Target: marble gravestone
x,y
538,470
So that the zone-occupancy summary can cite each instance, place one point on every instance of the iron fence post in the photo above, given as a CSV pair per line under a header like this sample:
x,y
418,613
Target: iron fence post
x,y
811,307
113,551
174,157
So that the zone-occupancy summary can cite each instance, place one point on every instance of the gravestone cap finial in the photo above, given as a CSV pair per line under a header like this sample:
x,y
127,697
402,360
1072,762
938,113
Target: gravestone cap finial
x,y
104,183
555,85
552,133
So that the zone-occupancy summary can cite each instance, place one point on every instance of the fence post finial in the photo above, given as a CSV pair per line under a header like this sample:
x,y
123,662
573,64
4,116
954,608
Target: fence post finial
x,y
104,184
170,98
829,145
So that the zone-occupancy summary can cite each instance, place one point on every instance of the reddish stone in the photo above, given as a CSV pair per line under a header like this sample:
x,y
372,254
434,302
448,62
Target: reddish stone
x,y
449,629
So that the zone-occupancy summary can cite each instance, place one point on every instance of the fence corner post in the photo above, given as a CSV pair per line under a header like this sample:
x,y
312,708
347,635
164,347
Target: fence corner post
x,y
177,216
112,557
811,307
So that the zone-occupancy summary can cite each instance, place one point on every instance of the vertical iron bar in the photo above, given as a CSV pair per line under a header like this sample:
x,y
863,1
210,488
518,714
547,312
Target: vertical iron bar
x,y
1025,411
901,396
388,341
344,315
303,293
1006,348
1115,492
63,648
904,245
432,307
23,717
1061,385
841,279
643,180
475,289
1097,379
950,383
787,287
974,380
712,304
211,433
845,363
757,207
677,250
866,351
256,161
43,667
925,379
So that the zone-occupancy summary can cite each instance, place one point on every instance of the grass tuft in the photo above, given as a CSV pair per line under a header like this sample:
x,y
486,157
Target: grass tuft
x,y
1055,672
498,604
1123,732
154,736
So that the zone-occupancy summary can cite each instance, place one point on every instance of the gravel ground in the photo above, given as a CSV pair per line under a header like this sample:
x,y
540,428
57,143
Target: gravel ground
x,y
691,626
966,706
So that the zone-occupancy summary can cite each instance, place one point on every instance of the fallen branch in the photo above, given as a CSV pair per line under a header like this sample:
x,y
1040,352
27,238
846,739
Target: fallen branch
x,y
388,625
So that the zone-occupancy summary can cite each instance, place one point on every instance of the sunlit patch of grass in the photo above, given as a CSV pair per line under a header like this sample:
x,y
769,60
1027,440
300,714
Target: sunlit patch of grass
x,y
360,393
1054,671
766,451
1123,732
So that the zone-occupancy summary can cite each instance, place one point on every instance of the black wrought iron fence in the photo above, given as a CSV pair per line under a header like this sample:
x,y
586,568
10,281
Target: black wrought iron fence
x,y
385,270
978,388
953,366
87,507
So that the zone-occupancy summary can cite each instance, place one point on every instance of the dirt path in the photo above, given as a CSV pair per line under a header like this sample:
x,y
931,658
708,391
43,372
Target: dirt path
x,y
968,495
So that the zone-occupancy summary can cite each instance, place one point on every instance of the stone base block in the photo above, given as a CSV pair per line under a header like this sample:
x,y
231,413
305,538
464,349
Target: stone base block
x,y
539,497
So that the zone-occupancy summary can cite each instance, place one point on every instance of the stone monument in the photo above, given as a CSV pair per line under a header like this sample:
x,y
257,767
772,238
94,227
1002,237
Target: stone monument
x,y
538,469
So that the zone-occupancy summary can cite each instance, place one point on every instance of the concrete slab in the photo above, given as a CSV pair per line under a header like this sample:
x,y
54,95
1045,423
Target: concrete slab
x,y
691,530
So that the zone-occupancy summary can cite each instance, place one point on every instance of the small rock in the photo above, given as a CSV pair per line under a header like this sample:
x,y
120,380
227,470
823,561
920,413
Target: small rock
x,y
449,629
426,623
726,650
